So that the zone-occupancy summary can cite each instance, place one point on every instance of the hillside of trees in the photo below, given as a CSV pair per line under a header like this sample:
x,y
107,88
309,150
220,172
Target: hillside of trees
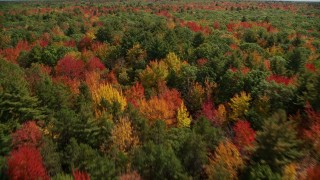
x,y
159,90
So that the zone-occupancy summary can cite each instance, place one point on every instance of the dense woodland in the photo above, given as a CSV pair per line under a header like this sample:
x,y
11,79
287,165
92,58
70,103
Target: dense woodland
x,y
159,90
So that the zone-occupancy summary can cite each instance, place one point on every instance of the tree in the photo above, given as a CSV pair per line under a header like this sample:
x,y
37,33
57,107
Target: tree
x,y
26,163
70,67
135,94
263,171
278,65
195,97
173,62
78,175
183,117
157,109
106,96
157,162
225,163
244,136
95,64
136,55
193,154
240,105
154,73
211,135
290,172
313,173
297,59
123,135
277,142
28,135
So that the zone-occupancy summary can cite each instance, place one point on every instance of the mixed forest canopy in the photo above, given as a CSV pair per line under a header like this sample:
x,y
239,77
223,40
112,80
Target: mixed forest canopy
x,y
159,90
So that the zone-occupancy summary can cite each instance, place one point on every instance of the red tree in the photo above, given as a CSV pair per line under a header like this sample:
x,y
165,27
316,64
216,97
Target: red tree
x,y
314,173
208,110
95,64
28,135
26,163
244,135
70,67
78,175
135,93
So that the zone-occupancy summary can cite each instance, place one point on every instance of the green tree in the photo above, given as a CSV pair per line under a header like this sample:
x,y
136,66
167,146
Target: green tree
x,y
277,142
157,162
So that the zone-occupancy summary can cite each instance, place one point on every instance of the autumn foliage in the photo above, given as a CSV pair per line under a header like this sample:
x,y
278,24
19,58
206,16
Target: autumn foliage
x,y
244,135
79,175
26,163
28,135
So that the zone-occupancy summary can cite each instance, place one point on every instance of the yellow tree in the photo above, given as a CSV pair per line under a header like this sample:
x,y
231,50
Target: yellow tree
x,y
106,93
239,105
225,163
123,136
290,172
183,117
173,62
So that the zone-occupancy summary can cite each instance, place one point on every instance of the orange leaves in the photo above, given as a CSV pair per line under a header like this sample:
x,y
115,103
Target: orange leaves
x,y
226,161
162,107
123,136
135,94
157,109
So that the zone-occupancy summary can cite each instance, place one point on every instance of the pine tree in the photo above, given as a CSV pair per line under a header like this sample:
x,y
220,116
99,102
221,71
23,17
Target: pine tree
x,y
277,142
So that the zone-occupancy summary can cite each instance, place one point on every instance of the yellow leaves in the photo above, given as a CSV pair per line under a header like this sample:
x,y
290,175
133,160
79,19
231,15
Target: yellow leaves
x,y
239,105
157,109
173,62
183,117
123,136
290,172
106,92
226,160
154,73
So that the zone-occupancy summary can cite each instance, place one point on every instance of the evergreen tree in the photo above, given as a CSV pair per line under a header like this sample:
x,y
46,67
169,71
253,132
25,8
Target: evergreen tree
x,y
277,142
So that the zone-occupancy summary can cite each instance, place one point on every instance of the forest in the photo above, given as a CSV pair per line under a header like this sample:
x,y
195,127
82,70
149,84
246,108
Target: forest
x,y
134,90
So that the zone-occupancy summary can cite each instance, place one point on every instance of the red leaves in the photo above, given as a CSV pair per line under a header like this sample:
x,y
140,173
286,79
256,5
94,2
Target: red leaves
x,y
12,54
208,110
85,43
95,64
78,175
26,163
314,173
70,67
244,135
28,135
216,25
310,67
280,79
313,132
135,94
